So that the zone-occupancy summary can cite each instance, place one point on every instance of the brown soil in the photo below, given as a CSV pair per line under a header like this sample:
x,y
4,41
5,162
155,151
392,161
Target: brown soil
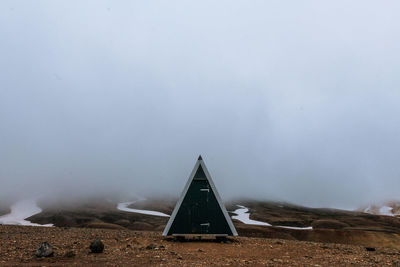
x,y
128,248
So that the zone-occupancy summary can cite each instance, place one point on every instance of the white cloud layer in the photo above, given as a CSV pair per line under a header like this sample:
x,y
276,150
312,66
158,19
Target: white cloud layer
x,y
292,100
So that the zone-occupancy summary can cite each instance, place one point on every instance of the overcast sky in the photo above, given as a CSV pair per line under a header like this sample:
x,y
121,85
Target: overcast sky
x,y
290,100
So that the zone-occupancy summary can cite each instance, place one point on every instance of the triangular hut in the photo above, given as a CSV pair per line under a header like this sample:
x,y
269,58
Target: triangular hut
x,y
200,211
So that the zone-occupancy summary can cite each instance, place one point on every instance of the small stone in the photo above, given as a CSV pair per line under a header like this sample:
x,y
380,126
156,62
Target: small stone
x,y
96,246
150,246
44,250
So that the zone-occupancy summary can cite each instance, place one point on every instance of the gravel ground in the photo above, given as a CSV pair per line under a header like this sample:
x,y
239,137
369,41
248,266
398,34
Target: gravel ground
x,y
140,248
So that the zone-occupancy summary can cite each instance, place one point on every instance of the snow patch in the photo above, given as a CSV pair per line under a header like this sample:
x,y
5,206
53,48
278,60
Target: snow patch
x,y
385,210
243,216
20,211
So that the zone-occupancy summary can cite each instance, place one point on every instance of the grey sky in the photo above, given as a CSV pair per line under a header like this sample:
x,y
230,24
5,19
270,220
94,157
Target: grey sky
x,y
292,100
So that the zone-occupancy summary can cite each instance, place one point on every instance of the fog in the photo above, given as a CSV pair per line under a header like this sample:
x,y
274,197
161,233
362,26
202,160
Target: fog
x,y
285,100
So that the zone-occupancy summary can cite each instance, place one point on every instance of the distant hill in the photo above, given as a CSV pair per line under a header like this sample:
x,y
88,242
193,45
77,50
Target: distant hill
x,y
329,225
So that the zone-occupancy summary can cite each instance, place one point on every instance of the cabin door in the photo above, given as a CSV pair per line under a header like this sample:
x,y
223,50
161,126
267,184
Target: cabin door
x,y
200,211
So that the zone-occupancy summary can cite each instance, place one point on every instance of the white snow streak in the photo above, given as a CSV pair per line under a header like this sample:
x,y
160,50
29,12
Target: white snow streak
x,y
243,215
124,207
295,228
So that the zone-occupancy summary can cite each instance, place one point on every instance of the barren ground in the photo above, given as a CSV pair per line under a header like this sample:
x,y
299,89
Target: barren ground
x,y
128,248
339,238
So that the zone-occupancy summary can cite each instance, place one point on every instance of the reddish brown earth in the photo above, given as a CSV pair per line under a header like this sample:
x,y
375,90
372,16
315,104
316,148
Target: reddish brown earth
x,y
128,248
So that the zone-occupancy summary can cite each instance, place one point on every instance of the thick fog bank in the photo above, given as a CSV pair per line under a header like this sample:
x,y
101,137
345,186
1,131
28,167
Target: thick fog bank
x,y
294,101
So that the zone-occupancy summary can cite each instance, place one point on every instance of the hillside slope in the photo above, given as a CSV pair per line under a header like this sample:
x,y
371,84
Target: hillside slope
x,y
329,225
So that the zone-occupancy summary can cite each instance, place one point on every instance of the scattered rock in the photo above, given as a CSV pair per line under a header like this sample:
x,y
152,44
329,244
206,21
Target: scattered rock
x,y
44,250
69,254
173,253
200,250
96,246
150,246
370,248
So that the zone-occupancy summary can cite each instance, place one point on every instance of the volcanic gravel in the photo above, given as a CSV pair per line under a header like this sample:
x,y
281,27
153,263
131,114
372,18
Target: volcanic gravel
x,y
18,245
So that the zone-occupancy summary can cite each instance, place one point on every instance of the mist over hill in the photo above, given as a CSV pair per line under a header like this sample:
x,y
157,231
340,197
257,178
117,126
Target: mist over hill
x,y
284,101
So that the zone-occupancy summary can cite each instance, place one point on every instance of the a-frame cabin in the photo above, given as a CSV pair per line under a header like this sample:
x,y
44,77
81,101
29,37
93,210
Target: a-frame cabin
x,y
200,211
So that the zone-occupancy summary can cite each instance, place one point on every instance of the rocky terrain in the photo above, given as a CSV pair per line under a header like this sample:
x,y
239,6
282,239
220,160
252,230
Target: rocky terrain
x,y
144,248
337,237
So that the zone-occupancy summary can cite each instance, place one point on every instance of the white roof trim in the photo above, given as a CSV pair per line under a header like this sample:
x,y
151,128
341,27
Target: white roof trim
x,y
214,189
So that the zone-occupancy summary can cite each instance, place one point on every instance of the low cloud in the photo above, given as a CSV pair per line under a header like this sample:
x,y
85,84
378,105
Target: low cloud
x,y
289,101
